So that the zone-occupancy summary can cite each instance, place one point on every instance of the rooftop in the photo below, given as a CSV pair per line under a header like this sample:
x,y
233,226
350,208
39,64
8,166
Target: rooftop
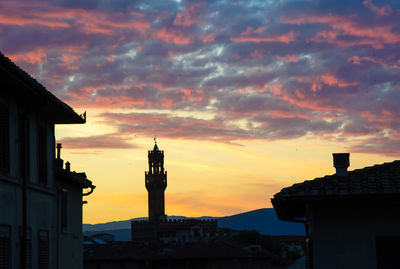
x,y
378,181
20,85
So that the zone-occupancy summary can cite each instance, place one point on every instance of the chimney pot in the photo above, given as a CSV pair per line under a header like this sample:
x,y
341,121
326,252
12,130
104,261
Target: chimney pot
x,y
68,166
59,150
341,161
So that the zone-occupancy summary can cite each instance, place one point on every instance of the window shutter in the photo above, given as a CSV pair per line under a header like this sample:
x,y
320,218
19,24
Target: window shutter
x,y
5,245
43,249
28,253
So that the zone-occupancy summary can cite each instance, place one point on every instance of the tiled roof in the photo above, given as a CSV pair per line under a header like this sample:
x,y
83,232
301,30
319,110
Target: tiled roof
x,y
380,179
61,112
73,177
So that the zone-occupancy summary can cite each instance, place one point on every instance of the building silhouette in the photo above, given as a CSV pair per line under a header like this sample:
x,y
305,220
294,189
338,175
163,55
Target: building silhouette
x,y
156,183
158,228
352,218
160,242
40,199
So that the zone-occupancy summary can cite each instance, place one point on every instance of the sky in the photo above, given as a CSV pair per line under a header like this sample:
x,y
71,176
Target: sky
x,y
244,97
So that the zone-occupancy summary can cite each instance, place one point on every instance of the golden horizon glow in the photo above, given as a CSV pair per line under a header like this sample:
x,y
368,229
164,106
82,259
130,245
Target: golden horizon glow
x,y
204,178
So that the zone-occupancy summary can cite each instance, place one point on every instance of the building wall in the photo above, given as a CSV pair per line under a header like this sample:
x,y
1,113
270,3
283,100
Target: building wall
x,y
344,235
41,199
70,239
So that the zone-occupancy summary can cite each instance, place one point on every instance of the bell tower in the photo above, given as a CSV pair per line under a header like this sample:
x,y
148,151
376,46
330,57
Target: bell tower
x,y
156,183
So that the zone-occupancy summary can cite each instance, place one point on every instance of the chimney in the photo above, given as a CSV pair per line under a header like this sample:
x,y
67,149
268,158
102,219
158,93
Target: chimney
x,y
59,163
59,150
341,161
68,166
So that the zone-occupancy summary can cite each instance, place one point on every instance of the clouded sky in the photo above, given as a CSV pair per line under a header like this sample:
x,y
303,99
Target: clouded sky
x,y
245,97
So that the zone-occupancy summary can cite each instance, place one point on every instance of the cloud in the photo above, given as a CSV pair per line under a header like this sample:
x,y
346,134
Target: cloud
x,y
189,15
382,145
259,70
382,11
283,38
105,141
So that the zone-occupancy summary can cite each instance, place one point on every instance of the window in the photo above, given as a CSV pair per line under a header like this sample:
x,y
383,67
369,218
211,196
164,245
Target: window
x,y
4,139
28,247
42,155
5,247
43,250
387,252
23,138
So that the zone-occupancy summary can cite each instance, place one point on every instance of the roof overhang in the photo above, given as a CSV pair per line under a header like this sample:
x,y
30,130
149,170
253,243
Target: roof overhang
x,y
24,89
294,207
73,178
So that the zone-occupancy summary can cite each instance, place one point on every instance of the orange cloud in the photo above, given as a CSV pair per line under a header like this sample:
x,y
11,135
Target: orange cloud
x,y
69,60
310,104
318,81
193,95
381,120
284,38
382,11
55,17
358,60
188,16
289,58
208,38
32,57
172,36
375,36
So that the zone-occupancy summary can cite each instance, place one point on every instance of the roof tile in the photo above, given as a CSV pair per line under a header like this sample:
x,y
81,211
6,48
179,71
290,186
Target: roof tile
x,y
376,180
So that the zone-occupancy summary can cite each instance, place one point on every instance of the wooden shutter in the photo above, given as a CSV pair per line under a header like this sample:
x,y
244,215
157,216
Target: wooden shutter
x,y
28,253
43,249
5,247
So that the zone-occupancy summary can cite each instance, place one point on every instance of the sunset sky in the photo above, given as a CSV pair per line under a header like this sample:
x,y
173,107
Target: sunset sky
x,y
245,97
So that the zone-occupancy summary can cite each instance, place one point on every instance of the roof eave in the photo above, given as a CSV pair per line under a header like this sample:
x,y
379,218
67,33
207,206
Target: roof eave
x,y
288,208
22,87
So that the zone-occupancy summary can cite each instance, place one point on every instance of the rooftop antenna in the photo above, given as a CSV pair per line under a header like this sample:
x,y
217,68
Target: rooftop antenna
x,y
155,139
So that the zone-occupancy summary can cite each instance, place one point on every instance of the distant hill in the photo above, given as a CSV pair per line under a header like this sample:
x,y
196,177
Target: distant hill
x,y
262,220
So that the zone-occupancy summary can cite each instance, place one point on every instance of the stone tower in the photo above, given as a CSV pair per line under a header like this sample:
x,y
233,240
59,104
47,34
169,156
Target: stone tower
x,y
156,183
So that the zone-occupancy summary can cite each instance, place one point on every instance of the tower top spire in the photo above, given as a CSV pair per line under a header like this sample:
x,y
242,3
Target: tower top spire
x,y
155,144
